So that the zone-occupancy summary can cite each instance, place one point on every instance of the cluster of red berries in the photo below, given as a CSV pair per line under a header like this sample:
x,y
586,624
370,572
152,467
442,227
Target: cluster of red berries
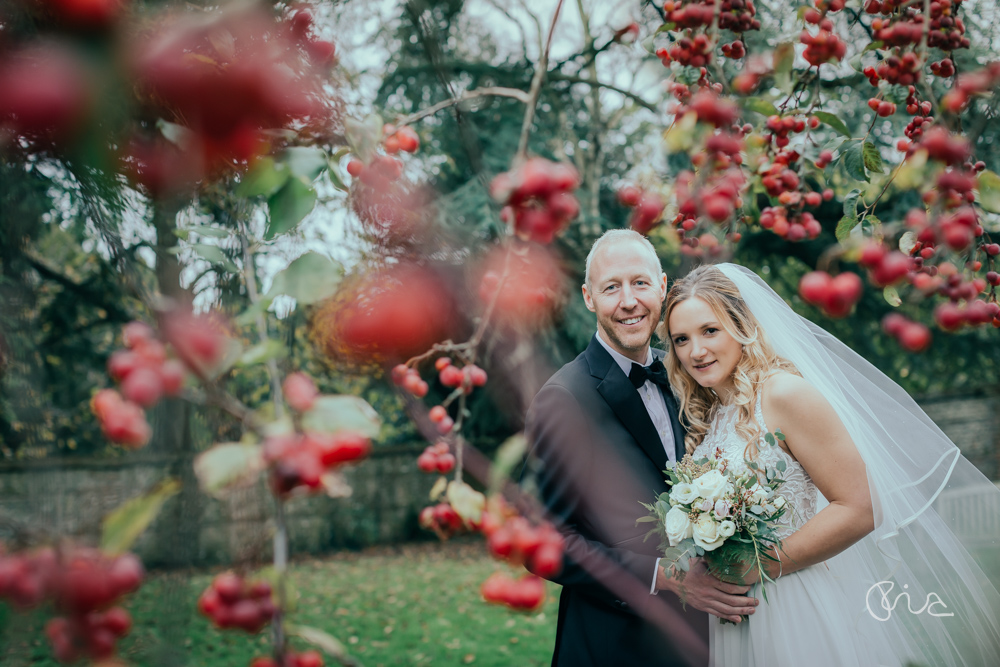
x,y
885,267
399,139
735,15
409,379
538,198
902,70
379,173
269,74
300,460
915,129
292,659
952,316
970,84
906,27
233,602
781,127
146,375
647,207
736,50
943,68
466,378
687,51
712,109
82,583
437,457
524,282
824,46
795,227
715,198
836,296
526,593
883,108
682,91
910,335
514,539
443,520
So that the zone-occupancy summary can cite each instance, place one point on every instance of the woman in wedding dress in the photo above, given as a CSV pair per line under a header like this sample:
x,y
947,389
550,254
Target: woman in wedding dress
x,y
868,573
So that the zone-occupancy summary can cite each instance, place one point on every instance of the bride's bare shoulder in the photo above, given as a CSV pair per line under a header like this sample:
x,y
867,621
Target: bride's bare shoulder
x,y
783,390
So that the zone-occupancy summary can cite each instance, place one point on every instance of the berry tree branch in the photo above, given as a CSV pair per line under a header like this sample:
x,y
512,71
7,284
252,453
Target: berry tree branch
x,y
536,89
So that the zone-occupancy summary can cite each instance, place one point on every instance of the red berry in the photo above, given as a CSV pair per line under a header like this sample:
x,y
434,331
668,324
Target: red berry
x,y
300,392
354,168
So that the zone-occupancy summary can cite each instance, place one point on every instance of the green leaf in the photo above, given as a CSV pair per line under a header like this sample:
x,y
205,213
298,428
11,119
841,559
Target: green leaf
x,y
333,414
264,178
306,162
508,456
758,105
288,206
779,435
834,122
310,278
854,162
780,465
363,136
872,158
844,228
873,46
214,255
851,203
988,184
466,501
318,638
769,439
262,352
891,297
123,526
228,465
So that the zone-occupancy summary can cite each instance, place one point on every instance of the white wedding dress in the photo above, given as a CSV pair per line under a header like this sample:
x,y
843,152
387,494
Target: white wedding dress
x,y
808,618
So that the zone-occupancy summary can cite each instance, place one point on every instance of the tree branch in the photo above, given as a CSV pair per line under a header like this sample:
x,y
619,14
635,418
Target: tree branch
x,y
536,88
478,93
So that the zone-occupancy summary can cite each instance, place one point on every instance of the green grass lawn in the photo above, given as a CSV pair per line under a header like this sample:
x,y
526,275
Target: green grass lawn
x,y
411,605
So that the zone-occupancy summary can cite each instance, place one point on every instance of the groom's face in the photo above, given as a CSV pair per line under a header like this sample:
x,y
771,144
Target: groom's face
x,y
626,293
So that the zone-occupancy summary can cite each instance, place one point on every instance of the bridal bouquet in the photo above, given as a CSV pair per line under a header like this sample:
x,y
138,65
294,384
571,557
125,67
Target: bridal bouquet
x,y
729,517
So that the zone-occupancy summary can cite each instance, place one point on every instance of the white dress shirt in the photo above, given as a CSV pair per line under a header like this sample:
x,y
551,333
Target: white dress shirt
x,y
656,406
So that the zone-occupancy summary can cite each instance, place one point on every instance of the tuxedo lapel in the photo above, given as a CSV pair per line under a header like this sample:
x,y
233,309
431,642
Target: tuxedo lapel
x,y
624,400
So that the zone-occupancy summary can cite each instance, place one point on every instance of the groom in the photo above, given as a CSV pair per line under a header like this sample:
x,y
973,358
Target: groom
x,y
602,430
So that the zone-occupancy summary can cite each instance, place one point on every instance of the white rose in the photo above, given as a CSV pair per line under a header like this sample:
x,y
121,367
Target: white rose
x,y
711,486
722,509
677,525
682,493
759,494
727,528
706,534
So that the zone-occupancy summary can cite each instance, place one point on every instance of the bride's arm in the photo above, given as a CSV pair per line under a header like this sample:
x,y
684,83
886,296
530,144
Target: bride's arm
x,y
817,438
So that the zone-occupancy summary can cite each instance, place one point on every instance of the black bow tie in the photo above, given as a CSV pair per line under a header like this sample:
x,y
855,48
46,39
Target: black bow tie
x,y
655,372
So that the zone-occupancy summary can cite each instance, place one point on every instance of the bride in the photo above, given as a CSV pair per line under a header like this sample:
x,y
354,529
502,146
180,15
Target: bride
x,y
868,572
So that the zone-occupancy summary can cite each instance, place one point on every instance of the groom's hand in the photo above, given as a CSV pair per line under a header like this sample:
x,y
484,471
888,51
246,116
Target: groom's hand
x,y
703,591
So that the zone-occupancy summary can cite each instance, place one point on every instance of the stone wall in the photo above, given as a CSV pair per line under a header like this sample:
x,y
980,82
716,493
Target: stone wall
x,y
70,497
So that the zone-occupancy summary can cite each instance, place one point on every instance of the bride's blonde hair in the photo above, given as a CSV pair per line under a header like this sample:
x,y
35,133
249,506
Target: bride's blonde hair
x,y
757,362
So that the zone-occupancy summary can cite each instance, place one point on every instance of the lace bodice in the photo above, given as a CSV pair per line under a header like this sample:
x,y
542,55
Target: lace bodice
x,y
798,489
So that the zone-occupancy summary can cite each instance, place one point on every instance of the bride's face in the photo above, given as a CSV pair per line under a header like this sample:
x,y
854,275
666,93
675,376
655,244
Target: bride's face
x,y
705,349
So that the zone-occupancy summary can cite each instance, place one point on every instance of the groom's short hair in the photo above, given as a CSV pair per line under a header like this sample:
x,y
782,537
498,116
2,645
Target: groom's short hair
x,y
617,236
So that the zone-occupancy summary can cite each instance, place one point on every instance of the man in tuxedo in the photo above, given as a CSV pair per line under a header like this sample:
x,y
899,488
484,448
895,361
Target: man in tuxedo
x,y
602,431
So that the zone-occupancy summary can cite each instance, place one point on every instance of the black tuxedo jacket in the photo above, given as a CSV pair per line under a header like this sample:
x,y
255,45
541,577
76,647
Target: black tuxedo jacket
x,y
595,455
